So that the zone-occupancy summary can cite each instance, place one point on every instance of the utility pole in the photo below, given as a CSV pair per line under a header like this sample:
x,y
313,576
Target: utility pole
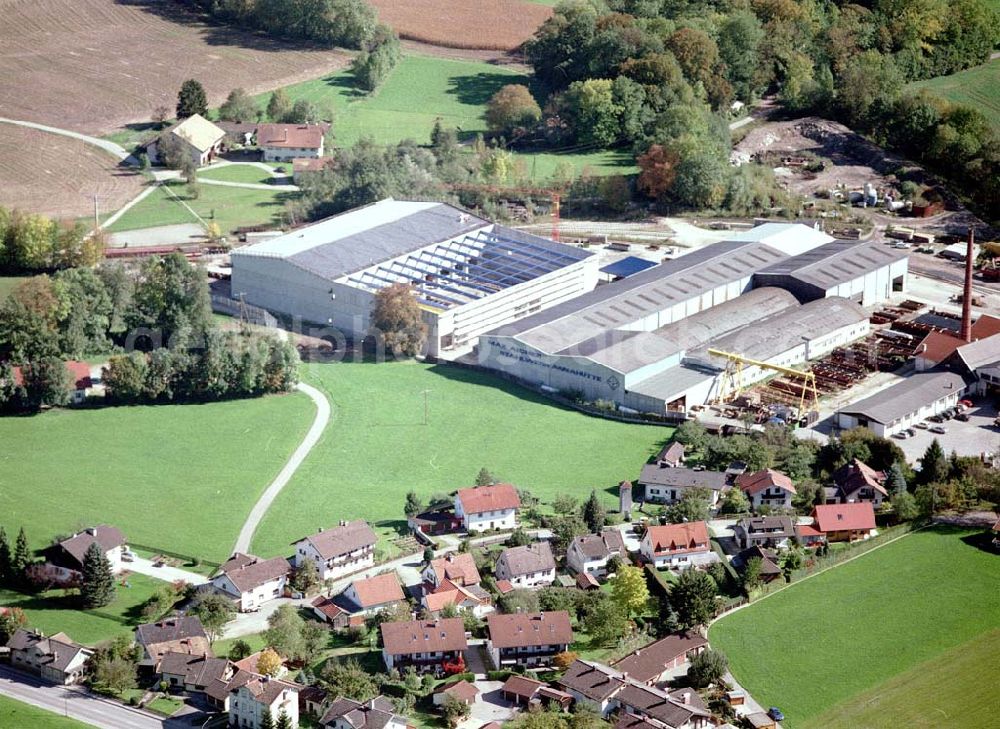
x,y
97,217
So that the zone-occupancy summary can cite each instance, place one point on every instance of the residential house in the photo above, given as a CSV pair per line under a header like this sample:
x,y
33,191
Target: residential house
x,y
857,481
767,488
764,531
313,701
845,522
671,455
359,600
56,659
251,696
454,580
528,567
64,560
527,639
769,567
667,485
809,536
590,553
82,377
488,507
436,519
593,685
654,664
327,610
252,581
200,140
180,634
457,567
677,545
377,713
304,166
525,691
347,548
473,598
193,673
461,691
423,644
286,142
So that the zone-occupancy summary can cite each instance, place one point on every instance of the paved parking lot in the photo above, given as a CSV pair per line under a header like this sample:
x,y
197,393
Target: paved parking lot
x,y
971,438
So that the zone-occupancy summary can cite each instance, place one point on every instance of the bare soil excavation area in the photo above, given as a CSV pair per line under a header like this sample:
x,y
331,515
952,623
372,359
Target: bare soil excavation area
x,y
96,65
58,176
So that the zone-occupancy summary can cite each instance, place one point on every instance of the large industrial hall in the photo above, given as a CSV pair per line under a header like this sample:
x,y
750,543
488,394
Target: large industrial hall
x,y
468,274
656,341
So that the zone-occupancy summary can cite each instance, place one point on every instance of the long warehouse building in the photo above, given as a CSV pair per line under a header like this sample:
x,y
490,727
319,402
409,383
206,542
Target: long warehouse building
x,y
779,293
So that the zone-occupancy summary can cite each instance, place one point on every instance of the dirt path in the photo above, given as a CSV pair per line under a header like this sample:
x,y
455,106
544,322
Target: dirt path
x,y
284,476
104,144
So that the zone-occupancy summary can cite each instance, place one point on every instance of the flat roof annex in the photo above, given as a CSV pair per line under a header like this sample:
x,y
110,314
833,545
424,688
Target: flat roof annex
x,y
907,396
836,262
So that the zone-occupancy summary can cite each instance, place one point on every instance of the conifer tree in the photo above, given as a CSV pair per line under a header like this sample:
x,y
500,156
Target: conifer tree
x,y
98,586
22,557
5,559
593,513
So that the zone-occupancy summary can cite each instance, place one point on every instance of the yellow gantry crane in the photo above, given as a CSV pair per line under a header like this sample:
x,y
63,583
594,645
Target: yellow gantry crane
x,y
732,379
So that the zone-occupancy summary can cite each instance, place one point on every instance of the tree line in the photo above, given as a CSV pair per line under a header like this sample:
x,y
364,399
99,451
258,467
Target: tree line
x,y
30,242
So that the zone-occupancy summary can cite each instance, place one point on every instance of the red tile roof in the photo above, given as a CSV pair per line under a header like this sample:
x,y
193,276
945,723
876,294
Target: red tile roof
x,y
844,517
458,567
303,136
519,630
938,346
754,483
378,590
504,586
521,686
807,530
461,690
856,475
79,373
489,498
327,606
679,538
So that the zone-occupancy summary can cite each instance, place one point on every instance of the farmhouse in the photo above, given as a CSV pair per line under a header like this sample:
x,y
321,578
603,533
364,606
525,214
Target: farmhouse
x,y
56,659
677,545
528,567
64,560
200,140
764,531
857,481
469,275
423,644
252,696
904,404
527,639
845,522
347,548
284,142
654,664
590,553
664,484
776,293
377,713
488,507
252,580
767,488
172,635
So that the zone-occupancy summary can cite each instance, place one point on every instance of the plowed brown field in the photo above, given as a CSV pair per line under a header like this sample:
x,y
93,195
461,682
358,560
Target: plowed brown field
x,y
58,176
95,65
480,24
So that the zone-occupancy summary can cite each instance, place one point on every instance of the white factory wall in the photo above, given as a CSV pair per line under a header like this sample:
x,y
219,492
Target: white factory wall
x,y
684,309
874,287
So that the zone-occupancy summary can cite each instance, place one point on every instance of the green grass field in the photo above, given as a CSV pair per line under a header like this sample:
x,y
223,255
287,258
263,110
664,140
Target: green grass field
x,y
945,691
377,448
228,206
53,612
14,713
977,87
177,477
240,173
825,642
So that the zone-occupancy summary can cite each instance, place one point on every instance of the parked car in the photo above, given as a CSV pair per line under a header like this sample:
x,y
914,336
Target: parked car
x,y
939,429
964,417
775,713
923,425
911,433
965,403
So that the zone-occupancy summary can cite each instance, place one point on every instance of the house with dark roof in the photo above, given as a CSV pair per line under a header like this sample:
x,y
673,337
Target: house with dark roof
x,y
589,554
528,567
911,400
527,639
346,548
436,519
252,581
377,713
592,685
64,560
845,522
857,481
769,567
767,488
654,664
424,644
668,484
671,455
56,658
488,507
178,634
677,546
764,531
193,673
527,692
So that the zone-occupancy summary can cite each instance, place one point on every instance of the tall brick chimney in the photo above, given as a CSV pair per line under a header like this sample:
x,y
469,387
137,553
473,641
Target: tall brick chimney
x,y
967,291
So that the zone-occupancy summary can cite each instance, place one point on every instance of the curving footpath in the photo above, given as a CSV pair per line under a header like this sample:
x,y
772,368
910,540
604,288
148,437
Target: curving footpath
x,y
289,469
115,149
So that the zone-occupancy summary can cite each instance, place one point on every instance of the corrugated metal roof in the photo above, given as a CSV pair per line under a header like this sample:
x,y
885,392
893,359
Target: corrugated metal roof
x,y
907,396
628,266
834,263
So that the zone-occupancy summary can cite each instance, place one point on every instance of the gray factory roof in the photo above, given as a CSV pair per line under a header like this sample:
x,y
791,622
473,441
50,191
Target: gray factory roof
x,y
981,353
670,384
618,304
782,332
834,263
908,396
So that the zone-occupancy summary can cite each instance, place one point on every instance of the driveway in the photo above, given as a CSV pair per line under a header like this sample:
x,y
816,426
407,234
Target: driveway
x,y
168,574
491,706
115,149
76,703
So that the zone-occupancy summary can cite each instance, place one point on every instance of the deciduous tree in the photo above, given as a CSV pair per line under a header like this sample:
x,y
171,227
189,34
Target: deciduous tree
x,y
707,668
693,598
215,612
269,662
511,108
629,590
239,106
278,106
397,318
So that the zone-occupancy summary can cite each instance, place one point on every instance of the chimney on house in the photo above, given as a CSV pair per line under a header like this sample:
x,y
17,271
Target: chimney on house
x,y
92,531
967,291
686,697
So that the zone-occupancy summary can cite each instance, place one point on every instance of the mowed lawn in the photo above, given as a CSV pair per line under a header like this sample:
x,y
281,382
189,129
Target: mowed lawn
x,y
230,207
240,173
978,87
826,641
54,611
177,477
949,690
15,713
377,447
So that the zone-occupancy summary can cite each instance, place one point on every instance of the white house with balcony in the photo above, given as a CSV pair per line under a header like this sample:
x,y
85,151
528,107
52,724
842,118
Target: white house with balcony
x,y
342,550
488,507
